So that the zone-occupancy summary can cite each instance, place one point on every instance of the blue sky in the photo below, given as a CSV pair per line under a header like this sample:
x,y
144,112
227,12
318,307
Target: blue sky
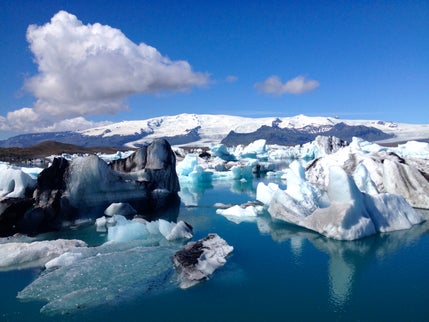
x,y
85,63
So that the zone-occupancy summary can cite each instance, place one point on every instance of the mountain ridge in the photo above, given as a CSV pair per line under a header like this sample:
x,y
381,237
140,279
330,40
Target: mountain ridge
x,y
206,129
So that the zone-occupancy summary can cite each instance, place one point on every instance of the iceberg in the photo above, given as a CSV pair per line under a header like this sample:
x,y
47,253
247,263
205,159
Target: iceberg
x,y
388,172
221,151
253,150
92,182
187,165
196,261
19,255
349,214
15,183
240,213
191,173
125,230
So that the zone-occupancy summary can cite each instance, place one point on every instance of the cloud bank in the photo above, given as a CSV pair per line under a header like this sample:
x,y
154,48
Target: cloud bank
x,y
91,69
298,85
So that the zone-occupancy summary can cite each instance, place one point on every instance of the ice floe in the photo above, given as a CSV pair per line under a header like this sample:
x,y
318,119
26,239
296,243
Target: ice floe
x,y
108,274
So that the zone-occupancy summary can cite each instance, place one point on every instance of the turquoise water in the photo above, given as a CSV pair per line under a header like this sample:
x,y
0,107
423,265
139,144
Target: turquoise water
x,y
276,272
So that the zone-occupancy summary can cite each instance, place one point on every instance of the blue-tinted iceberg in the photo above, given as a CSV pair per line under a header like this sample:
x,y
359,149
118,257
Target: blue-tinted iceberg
x,y
125,230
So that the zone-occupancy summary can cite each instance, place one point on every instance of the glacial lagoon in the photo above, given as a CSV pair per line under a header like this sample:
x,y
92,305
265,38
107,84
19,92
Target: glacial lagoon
x,y
276,272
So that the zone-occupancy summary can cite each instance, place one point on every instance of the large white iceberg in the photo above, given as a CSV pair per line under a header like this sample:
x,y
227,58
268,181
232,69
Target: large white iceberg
x,y
385,172
349,214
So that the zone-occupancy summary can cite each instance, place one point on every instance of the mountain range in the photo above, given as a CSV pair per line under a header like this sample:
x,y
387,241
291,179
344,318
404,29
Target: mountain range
x,y
206,129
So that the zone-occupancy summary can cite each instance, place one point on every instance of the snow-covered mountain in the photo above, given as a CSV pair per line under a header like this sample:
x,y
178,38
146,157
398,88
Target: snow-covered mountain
x,y
204,129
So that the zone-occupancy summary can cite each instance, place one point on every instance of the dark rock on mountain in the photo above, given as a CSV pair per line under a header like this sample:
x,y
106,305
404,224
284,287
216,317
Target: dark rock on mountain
x,y
273,135
291,137
191,136
347,132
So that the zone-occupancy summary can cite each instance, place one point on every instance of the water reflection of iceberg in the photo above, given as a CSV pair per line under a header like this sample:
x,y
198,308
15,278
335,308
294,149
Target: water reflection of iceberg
x,y
346,258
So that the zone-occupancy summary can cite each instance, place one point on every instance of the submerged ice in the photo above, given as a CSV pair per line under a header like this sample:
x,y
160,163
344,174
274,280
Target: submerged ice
x,y
103,275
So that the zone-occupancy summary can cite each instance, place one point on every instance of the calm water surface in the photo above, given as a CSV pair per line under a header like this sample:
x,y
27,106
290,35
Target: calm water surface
x,y
277,272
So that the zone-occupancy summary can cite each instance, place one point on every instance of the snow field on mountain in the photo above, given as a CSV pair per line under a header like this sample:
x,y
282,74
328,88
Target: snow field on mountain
x,y
212,128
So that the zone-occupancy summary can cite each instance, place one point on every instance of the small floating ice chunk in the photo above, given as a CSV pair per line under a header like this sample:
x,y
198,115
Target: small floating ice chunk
x,y
196,261
120,208
238,213
127,230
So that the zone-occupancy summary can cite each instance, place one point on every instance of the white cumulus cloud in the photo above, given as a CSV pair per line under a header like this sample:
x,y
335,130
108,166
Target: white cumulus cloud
x,y
298,85
91,69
